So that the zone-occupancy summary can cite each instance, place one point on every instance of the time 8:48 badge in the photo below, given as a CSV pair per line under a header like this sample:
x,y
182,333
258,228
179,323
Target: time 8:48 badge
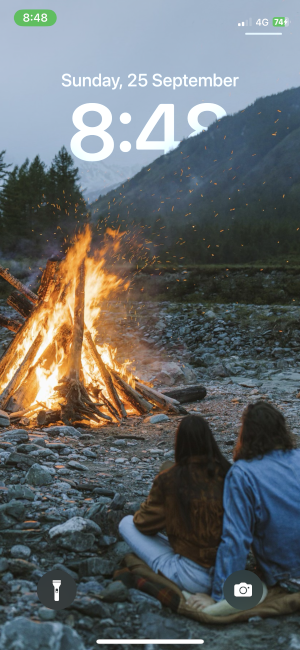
x,y
35,17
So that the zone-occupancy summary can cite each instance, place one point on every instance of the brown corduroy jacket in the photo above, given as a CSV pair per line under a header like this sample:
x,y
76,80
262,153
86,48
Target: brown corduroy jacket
x,y
198,542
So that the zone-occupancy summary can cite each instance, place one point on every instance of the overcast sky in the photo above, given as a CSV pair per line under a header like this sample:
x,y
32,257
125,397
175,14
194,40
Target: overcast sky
x,y
119,37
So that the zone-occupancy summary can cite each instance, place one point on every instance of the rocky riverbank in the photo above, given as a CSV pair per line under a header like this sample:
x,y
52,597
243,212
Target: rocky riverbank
x,y
63,491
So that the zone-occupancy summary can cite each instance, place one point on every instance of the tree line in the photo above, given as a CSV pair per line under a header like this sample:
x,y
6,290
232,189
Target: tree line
x,y
40,207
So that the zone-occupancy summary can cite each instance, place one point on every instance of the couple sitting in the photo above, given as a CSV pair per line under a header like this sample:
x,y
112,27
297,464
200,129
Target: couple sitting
x,y
214,512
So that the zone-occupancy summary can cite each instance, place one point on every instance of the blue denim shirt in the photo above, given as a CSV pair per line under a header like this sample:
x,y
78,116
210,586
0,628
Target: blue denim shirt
x,y
262,509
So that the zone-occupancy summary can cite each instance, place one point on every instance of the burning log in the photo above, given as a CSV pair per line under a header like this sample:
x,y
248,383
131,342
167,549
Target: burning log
x,y
132,396
4,273
20,303
78,326
106,376
21,372
48,417
28,389
47,280
78,403
12,351
10,323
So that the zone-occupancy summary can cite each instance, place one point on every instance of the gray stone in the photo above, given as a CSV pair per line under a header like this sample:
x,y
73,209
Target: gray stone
x,y
75,525
16,435
22,633
19,459
62,567
96,513
3,564
115,592
210,314
78,542
26,448
46,614
20,551
63,431
244,381
38,475
74,465
118,501
94,566
137,596
90,587
155,419
4,419
19,567
91,607
15,509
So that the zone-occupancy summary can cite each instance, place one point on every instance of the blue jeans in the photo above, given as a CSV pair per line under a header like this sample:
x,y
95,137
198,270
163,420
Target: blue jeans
x,y
158,553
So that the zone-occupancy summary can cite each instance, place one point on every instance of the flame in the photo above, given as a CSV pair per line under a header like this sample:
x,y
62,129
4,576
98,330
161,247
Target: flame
x,y
59,310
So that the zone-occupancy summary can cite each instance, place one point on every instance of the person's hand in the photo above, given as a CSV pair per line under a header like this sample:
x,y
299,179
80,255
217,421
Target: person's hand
x,y
200,601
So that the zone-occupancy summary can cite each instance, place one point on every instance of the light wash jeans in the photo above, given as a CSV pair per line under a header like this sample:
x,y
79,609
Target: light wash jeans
x,y
157,552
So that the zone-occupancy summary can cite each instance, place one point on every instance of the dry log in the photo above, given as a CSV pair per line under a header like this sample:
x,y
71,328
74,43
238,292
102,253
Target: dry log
x,y
157,398
186,394
28,389
105,374
139,403
47,280
22,371
48,417
20,303
10,323
6,275
78,325
78,404
20,336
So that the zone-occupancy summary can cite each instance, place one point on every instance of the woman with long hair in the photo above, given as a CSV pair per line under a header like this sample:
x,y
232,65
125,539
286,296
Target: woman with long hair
x,y
186,501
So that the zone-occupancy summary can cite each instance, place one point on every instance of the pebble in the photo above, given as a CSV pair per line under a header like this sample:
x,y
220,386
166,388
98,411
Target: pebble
x,y
155,419
20,551
38,475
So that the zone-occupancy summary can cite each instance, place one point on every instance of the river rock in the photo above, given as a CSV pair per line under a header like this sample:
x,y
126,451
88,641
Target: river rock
x,y
4,419
22,633
75,525
38,475
63,431
155,419
20,551
115,592
16,435
94,566
118,501
20,492
74,465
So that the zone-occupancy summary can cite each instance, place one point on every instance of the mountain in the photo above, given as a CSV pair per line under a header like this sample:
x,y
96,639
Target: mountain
x,y
235,186
99,178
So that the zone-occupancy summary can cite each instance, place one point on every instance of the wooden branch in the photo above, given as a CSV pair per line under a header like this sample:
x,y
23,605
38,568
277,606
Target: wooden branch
x,y
157,398
78,326
10,323
29,388
139,403
48,417
20,303
22,371
12,351
48,278
78,404
6,275
105,374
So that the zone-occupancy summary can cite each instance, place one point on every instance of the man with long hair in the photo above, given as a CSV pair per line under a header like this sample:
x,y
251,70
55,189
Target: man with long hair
x,y
261,503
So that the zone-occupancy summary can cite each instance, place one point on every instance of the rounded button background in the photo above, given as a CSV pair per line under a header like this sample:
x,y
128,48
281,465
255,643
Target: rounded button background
x,y
233,585
67,589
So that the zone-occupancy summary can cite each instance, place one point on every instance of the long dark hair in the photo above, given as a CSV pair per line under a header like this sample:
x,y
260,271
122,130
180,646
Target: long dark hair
x,y
194,438
263,429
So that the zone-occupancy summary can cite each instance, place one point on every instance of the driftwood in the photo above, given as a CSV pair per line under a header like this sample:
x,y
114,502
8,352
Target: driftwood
x,y
48,417
20,303
21,372
6,275
105,374
78,325
131,395
10,323
157,398
48,278
78,404
186,394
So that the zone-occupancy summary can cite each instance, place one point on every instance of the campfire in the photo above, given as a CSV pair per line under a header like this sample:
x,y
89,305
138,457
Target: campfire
x,y
53,370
